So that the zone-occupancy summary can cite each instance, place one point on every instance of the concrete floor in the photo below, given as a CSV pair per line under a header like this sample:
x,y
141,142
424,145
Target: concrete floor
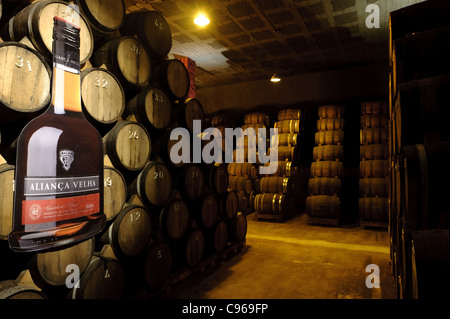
x,y
293,260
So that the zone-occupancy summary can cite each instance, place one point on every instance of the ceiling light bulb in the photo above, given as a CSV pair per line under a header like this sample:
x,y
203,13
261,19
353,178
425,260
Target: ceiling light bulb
x,y
201,20
275,78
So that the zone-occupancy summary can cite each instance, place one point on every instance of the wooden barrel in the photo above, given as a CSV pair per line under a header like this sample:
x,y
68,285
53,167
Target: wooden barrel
x,y
194,247
288,139
103,17
249,170
276,184
49,268
128,146
374,187
206,210
377,135
151,107
288,126
104,278
217,177
330,124
36,22
329,138
244,203
238,228
114,192
287,153
375,120
188,111
27,88
174,219
269,203
241,155
374,209
130,232
102,96
327,169
228,205
153,185
240,184
218,238
255,127
127,59
190,182
374,152
324,186
163,146
9,290
7,173
157,265
425,176
331,111
323,206
328,153
289,114
374,107
245,141
374,168
173,77
429,260
284,168
256,117
152,29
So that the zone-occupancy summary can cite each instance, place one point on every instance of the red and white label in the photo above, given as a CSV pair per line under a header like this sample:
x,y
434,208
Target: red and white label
x,y
58,209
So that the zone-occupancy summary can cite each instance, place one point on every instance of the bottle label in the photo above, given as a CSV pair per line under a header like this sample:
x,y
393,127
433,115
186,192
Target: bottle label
x,y
66,57
58,209
39,210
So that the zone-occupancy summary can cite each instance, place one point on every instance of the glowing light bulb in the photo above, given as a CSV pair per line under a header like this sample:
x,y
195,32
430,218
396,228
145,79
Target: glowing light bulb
x,y
275,78
201,20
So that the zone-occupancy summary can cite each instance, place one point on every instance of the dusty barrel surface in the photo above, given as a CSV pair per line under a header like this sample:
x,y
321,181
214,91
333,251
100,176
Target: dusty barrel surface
x,y
153,184
103,17
102,96
26,81
128,145
127,59
151,107
331,111
152,29
270,203
328,153
324,186
174,219
114,192
173,77
130,232
329,138
104,278
327,169
7,173
49,268
373,209
36,22
323,206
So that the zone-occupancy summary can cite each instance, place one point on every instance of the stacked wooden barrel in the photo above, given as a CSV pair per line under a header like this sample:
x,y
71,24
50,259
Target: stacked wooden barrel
x,y
323,204
244,171
280,193
374,165
419,149
162,216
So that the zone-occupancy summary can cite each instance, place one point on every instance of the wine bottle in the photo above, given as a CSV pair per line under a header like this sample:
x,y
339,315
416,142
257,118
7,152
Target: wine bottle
x,y
58,198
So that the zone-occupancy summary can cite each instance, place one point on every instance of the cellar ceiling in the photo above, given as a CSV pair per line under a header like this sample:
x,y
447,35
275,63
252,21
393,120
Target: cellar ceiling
x,y
253,39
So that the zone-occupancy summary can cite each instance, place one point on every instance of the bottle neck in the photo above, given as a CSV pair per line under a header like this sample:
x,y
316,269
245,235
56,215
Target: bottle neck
x,y
66,95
